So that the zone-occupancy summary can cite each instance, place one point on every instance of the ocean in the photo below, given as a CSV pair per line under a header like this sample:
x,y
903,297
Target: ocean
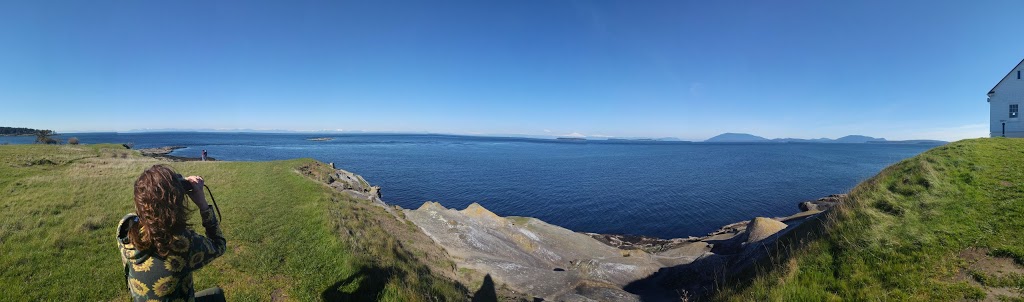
x,y
652,188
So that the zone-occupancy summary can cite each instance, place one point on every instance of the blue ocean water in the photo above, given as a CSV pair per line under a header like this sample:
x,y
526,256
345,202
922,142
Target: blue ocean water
x,y
662,189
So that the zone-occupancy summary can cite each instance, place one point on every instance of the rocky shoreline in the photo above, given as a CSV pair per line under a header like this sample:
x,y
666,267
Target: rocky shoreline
x,y
164,153
654,244
549,262
530,258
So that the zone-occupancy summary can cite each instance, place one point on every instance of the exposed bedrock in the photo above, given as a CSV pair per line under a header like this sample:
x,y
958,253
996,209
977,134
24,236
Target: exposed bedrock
x,y
553,263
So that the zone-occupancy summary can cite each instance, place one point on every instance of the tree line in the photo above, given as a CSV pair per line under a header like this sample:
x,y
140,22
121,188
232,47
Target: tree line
x,y
42,136
17,131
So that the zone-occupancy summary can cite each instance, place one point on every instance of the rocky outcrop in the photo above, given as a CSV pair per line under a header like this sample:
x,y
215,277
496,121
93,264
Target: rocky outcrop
x,y
638,242
531,256
823,203
553,263
165,153
353,185
761,228
734,249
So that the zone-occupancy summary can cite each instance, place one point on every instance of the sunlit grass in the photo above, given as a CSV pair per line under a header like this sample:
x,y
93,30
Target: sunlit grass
x,y
900,236
60,205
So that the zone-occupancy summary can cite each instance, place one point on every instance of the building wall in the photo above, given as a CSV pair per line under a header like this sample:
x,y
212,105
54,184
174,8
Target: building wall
x,y
1009,91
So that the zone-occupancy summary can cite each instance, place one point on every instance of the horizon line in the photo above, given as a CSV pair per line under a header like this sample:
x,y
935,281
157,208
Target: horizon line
x,y
573,135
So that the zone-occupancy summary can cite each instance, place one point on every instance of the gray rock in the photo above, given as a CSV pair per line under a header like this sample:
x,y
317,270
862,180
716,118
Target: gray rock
x,y
822,204
760,228
531,256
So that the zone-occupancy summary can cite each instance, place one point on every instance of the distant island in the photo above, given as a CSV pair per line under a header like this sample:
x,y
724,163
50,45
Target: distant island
x,y
13,131
644,139
633,139
849,139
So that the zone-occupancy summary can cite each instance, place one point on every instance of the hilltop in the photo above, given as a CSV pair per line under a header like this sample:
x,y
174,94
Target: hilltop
x,y
858,139
941,226
736,138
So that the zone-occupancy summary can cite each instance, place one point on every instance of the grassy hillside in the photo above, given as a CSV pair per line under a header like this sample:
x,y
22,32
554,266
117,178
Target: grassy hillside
x,y
945,225
290,237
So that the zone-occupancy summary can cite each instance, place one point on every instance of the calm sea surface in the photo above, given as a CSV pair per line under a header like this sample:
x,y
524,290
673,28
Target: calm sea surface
x,y
663,189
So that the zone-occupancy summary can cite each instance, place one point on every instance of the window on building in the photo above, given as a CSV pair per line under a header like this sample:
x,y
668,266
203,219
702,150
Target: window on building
x,y
1013,110
1018,74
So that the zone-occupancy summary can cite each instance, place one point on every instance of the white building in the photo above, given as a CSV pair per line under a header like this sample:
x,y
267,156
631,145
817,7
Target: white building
x,y
1004,102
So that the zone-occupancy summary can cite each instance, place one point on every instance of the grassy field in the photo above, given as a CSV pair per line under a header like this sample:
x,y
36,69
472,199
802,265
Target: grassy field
x,y
945,225
290,237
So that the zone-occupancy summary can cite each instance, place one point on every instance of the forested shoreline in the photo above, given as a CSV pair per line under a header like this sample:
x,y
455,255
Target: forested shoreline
x,y
17,131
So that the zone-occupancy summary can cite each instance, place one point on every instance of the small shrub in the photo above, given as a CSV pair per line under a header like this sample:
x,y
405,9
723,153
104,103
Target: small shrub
x,y
44,136
73,141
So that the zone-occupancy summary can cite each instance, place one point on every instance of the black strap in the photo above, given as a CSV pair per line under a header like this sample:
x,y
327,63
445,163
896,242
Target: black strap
x,y
214,200
126,285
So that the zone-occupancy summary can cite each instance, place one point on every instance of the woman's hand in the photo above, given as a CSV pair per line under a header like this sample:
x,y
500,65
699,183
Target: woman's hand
x,y
197,191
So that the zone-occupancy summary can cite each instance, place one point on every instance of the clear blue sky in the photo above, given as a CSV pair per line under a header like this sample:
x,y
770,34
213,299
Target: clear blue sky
x,y
687,69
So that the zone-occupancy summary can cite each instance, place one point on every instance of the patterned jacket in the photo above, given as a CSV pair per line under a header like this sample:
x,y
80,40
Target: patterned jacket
x,y
151,277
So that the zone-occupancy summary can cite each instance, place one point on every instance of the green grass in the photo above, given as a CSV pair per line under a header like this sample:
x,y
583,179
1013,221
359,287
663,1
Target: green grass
x,y
1009,280
901,236
288,235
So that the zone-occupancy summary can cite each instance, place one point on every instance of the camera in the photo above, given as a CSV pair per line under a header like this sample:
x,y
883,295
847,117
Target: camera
x,y
185,184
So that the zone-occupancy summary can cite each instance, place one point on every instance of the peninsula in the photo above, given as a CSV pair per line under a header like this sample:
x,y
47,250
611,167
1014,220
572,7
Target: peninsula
x,y
13,131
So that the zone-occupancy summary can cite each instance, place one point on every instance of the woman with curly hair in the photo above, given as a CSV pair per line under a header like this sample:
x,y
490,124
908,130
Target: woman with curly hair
x,y
158,248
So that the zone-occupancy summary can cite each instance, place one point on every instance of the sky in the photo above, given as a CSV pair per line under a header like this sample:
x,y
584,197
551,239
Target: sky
x,y
685,69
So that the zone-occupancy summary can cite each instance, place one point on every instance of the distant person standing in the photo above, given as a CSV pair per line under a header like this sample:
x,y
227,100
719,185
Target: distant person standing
x,y
204,154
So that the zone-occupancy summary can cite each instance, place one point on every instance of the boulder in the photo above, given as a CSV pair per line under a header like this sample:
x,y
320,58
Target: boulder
x,y
808,206
760,228
822,204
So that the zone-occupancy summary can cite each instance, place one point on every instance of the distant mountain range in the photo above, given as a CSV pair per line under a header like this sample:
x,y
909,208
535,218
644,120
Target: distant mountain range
x,y
849,139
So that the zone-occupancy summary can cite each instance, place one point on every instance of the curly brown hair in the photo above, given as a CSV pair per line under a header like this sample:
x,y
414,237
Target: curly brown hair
x,y
160,205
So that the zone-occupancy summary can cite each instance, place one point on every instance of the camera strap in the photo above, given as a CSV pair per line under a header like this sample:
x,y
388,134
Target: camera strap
x,y
214,200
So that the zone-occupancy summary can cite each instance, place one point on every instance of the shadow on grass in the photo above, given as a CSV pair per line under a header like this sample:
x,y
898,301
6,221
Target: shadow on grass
x,y
369,282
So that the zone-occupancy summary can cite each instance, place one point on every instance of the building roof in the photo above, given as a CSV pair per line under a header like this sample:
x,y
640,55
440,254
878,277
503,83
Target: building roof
x,y
993,90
